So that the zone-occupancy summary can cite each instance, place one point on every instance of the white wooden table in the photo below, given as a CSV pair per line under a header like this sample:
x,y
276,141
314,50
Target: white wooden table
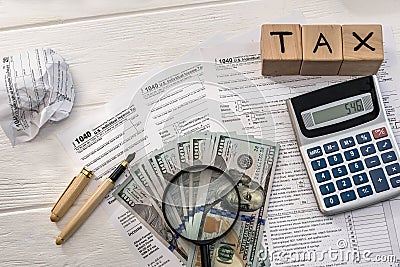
x,y
107,43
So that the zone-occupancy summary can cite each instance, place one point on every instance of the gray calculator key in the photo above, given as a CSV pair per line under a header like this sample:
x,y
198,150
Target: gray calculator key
x,y
379,180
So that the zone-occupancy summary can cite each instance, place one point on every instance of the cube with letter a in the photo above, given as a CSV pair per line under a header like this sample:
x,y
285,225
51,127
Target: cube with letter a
x,y
322,49
281,49
362,49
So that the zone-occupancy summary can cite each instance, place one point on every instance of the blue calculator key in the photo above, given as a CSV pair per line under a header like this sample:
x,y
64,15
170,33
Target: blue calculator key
x,y
335,159
351,154
318,164
348,196
347,142
372,161
395,181
360,178
343,183
379,180
364,191
384,144
363,138
323,176
368,149
331,201
314,152
393,168
339,171
356,166
388,157
331,147
327,188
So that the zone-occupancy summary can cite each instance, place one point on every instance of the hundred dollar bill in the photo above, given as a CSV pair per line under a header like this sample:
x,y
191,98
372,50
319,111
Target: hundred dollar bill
x,y
142,175
147,211
251,163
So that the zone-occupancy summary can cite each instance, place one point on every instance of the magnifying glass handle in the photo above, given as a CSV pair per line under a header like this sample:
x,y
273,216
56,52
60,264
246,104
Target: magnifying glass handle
x,y
205,256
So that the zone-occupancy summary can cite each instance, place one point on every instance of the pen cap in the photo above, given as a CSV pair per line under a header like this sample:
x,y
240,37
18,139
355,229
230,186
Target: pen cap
x,y
70,194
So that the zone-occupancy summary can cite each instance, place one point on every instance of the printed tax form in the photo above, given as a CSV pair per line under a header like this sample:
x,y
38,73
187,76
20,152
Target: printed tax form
x,y
294,222
295,225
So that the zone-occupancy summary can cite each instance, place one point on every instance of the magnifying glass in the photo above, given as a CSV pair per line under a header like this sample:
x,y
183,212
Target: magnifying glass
x,y
216,206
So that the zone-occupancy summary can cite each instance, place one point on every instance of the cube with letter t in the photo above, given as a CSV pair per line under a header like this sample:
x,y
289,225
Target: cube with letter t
x,y
322,49
281,49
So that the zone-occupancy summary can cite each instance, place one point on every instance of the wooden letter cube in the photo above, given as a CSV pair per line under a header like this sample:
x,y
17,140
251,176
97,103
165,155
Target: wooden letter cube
x,y
281,49
322,49
362,49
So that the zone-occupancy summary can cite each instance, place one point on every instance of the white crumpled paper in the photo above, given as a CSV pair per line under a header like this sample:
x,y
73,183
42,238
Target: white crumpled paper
x,y
36,86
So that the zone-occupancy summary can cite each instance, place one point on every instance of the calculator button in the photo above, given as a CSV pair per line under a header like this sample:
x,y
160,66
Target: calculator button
x,y
323,176
379,180
327,188
379,133
393,168
335,159
395,181
388,157
360,178
351,154
348,196
347,142
368,149
343,183
331,201
314,152
356,166
364,191
331,147
384,145
363,138
318,164
372,161
339,171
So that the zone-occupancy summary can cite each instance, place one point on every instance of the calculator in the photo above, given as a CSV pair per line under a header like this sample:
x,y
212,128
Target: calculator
x,y
347,145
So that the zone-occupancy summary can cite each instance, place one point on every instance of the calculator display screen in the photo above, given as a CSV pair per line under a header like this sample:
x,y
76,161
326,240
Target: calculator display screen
x,y
338,111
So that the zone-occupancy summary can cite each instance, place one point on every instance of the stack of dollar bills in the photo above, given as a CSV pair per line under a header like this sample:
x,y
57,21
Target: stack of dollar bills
x,y
250,161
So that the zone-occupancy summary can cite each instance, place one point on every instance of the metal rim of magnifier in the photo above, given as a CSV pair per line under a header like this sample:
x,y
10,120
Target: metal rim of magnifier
x,y
200,168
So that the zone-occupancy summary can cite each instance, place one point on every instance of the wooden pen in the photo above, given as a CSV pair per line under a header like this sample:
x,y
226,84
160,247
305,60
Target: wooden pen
x,y
70,194
90,205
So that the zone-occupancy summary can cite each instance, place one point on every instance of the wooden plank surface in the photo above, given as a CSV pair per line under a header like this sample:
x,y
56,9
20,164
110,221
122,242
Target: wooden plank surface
x,y
106,46
26,13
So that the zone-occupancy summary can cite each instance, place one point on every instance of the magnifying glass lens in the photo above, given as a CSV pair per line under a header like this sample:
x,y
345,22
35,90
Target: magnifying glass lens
x,y
213,209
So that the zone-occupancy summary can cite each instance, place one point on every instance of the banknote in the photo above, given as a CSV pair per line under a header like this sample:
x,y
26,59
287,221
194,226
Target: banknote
x,y
147,211
201,201
251,163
